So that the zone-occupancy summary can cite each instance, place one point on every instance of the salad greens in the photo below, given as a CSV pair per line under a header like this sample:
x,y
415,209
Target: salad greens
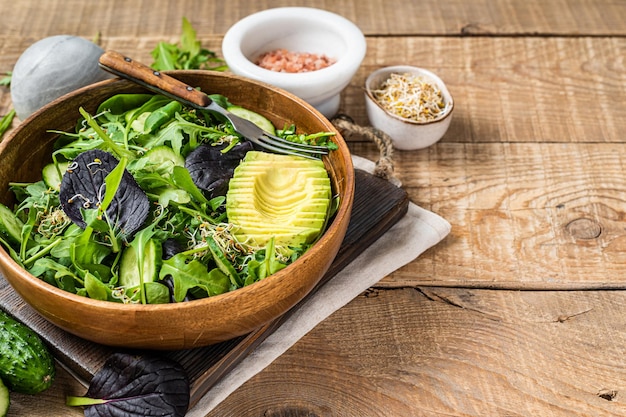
x,y
189,54
124,214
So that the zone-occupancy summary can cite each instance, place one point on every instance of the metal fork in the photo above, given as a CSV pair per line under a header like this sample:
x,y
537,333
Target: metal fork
x,y
156,81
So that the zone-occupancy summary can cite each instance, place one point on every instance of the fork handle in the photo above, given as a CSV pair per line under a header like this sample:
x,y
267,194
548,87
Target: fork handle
x,y
125,67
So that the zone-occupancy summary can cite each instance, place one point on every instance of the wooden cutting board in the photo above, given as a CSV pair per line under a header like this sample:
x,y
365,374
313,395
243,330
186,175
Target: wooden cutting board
x,y
378,205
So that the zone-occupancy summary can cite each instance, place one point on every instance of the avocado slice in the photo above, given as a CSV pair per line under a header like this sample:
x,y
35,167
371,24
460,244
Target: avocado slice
x,y
281,196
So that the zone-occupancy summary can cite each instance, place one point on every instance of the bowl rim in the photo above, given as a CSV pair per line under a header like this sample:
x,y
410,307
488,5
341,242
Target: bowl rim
x,y
395,69
341,215
344,65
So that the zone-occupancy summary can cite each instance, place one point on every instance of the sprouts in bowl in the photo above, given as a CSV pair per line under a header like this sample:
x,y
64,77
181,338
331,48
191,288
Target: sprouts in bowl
x,y
412,105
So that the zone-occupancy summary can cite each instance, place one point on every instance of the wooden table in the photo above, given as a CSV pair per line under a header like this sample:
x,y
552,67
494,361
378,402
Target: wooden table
x,y
520,311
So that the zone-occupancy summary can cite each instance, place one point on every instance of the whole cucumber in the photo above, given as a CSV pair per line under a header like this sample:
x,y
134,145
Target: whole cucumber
x,y
4,399
26,364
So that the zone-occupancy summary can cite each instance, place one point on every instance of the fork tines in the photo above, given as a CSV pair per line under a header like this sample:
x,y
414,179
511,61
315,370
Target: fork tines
x,y
280,145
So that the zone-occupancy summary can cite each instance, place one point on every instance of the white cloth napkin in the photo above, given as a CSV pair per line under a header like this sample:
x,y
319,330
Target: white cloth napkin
x,y
417,231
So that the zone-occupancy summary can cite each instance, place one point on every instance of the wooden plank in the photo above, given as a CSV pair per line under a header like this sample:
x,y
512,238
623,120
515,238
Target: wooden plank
x,y
575,85
524,216
131,19
455,352
515,89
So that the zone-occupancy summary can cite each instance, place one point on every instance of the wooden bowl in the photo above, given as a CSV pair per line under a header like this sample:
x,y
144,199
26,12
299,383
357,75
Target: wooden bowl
x,y
188,324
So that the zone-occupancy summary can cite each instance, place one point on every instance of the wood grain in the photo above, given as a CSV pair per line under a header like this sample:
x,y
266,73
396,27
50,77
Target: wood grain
x,y
391,17
524,216
512,89
515,89
530,175
455,352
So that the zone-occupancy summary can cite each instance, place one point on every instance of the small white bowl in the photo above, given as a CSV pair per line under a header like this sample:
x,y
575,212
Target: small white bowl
x,y
406,134
298,29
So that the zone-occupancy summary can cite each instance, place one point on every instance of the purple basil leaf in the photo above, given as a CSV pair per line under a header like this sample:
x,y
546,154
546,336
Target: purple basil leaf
x,y
211,170
83,186
137,386
171,247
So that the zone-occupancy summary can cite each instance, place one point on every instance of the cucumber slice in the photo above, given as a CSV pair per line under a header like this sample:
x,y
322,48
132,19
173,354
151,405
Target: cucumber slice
x,y
53,174
4,399
129,265
163,159
10,225
223,264
256,118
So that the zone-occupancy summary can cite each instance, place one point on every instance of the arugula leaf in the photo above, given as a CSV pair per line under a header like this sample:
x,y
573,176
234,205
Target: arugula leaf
x,y
120,151
188,39
5,122
6,80
319,139
264,264
189,54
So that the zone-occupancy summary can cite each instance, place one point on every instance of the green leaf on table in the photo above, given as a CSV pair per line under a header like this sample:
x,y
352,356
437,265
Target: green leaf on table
x,y
5,122
188,54
6,80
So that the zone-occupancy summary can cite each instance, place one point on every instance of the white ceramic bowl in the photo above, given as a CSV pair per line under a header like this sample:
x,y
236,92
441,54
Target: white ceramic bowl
x,y
298,29
406,134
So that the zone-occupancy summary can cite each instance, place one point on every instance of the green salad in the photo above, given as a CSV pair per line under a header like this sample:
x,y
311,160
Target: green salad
x,y
148,201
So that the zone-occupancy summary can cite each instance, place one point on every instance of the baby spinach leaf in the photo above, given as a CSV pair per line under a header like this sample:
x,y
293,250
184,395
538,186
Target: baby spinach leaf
x,y
84,188
134,386
96,289
60,273
160,116
183,180
115,107
188,273
157,293
84,250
